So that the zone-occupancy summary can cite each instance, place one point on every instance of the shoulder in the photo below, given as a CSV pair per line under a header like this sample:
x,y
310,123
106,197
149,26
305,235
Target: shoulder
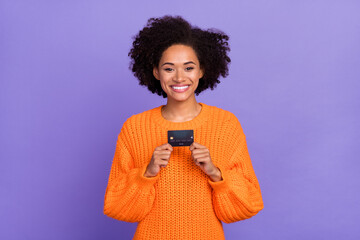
x,y
226,115
230,121
138,119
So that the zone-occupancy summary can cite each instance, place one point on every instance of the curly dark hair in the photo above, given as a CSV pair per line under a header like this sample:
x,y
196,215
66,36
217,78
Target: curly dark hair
x,y
210,46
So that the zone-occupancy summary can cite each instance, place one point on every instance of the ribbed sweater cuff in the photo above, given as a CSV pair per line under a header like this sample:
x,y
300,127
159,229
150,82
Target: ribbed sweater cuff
x,y
146,180
220,185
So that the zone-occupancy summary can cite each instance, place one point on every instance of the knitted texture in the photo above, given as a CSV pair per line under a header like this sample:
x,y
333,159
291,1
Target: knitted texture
x,y
181,201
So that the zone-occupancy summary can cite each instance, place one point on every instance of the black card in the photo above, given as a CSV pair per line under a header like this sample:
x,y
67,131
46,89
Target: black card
x,y
179,138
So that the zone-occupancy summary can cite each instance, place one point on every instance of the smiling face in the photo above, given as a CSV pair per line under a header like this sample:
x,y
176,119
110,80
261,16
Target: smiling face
x,y
179,66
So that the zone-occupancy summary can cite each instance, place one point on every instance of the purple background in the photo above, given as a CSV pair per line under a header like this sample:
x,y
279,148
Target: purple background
x,y
66,90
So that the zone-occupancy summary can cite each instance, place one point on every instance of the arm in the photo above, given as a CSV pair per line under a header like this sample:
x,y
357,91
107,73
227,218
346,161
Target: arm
x,y
237,196
129,194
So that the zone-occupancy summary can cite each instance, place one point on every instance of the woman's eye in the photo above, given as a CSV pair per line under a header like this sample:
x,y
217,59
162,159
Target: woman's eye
x,y
189,68
168,69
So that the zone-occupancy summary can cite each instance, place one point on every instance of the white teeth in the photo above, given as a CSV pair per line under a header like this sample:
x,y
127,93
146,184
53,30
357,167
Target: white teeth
x,y
180,87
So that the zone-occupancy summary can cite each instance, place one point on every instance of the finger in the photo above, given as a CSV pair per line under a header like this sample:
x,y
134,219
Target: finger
x,y
201,155
165,156
192,146
200,160
197,162
201,151
171,147
198,145
164,164
165,146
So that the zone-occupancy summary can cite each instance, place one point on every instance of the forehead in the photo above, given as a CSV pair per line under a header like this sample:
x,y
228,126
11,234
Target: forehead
x,y
179,53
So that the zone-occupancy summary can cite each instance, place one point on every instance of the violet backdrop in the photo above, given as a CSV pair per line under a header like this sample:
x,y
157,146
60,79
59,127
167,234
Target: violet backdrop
x,y
65,91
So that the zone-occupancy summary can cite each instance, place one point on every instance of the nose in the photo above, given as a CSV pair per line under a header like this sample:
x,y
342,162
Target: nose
x,y
179,76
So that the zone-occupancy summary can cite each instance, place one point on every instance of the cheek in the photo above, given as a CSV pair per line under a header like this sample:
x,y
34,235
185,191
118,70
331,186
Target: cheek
x,y
195,76
165,84
164,79
198,73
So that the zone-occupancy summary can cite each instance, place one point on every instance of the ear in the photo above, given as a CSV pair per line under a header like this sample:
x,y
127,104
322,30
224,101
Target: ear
x,y
202,72
156,73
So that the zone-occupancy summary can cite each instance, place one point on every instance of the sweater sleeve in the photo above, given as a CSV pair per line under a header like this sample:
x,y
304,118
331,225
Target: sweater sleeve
x,y
129,194
237,196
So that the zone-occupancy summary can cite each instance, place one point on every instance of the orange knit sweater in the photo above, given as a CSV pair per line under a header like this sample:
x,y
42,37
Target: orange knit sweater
x,y
182,202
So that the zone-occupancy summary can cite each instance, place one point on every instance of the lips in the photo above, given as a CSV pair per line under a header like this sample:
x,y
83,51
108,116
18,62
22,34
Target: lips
x,y
179,90
180,85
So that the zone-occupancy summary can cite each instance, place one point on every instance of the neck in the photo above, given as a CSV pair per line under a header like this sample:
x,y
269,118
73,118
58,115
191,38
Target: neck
x,y
181,111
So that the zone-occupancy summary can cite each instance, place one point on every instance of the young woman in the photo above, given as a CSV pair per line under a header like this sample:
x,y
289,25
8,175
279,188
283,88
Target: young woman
x,y
181,192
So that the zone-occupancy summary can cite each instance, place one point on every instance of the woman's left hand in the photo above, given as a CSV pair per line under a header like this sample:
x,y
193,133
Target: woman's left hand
x,y
201,156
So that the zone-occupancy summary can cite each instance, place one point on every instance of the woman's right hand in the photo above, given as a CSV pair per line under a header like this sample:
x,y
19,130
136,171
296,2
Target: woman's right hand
x,y
160,158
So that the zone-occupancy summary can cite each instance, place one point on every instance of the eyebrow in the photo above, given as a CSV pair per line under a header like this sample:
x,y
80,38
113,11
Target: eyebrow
x,y
174,64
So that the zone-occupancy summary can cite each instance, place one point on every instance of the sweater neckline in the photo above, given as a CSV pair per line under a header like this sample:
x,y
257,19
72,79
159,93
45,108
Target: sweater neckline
x,y
191,124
